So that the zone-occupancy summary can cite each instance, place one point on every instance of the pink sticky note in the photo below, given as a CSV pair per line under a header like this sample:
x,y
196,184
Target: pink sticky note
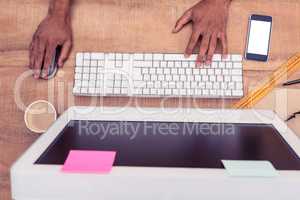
x,y
89,162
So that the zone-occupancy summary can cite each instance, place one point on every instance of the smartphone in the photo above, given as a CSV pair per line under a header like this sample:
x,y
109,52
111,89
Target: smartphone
x,y
259,36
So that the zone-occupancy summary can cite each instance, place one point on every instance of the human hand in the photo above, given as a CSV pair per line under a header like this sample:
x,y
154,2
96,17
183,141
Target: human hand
x,y
51,32
209,21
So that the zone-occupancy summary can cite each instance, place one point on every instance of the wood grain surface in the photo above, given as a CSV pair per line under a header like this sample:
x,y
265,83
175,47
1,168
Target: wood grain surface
x,y
117,26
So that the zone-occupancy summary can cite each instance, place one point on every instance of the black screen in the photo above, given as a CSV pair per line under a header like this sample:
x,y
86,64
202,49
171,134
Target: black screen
x,y
169,144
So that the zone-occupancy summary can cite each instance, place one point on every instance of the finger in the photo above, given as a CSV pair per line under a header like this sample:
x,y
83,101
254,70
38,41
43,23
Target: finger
x,y
203,48
183,20
50,52
39,57
212,48
223,39
32,49
193,41
33,53
31,57
64,53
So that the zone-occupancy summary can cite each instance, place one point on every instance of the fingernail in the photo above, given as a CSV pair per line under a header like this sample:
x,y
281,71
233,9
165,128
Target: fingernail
x,y
44,74
186,55
36,76
198,64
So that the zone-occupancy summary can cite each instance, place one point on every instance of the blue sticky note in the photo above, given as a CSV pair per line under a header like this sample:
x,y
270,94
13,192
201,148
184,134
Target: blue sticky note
x,y
247,168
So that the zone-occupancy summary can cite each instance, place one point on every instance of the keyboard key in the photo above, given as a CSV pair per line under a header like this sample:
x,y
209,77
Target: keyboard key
x,y
174,57
86,63
239,85
231,86
147,77
227,92
79,59
157,84
237,78
216,85
217,57
203,71
168,91
167,71
175,92
209,85
205,92
236,72
220,93
119,56
174,71
170,64
138,56
185,64
225,72
214,65
86,56
158,56
148,56
181,71
236,58
218,71
221,65
220,78
188,71
163,64
205,78
198,92
212,78
226,58
126,56
93,76
201,85
237,92
84,90
161,77
156,64
146,91
172,85
178,64
229,65
76,90
210,71
153,91
97,56
237,65
111,56
145,71
192,64
168,77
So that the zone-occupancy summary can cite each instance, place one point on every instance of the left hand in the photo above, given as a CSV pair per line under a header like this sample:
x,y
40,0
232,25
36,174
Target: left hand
x,y
209,21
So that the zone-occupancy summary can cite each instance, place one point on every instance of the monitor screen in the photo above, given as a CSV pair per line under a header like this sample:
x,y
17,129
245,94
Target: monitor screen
x,y
173,144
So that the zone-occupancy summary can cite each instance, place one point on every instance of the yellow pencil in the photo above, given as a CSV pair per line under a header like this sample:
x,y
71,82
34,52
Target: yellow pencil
x,y
283,71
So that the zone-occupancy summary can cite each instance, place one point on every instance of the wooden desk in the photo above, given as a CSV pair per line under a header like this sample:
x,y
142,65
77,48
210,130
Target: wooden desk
x,y
125,26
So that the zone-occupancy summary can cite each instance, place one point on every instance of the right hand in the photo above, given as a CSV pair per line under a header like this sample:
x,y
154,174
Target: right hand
x,y
51,32
209,21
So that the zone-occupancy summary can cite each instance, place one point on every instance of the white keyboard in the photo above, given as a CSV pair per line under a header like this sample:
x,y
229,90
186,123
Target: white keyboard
x,y
157,75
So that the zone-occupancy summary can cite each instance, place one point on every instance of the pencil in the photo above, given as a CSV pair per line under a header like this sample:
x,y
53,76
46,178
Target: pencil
x,y
283,71
291,82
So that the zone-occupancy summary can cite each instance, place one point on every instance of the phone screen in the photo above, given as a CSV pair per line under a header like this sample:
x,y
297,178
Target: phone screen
x,y
259,36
